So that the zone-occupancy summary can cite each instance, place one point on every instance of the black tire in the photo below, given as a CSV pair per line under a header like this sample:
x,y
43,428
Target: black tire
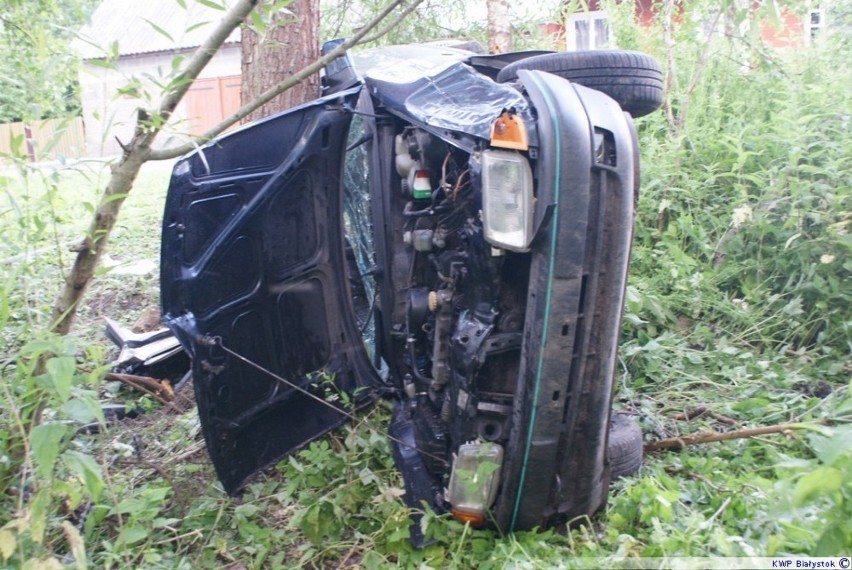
x,y
633,79
625,446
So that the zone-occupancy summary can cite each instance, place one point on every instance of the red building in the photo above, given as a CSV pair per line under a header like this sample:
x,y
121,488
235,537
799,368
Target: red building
x,y
589,29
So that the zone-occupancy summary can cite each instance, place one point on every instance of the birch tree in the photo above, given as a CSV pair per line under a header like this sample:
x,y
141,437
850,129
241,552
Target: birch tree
x,y
499,27
151,122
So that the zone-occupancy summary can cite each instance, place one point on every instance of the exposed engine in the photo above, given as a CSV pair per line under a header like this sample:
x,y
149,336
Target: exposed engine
x,y
464,304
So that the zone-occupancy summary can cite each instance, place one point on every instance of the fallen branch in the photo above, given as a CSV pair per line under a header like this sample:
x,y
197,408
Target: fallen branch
x,y
160,390
700,412
709,437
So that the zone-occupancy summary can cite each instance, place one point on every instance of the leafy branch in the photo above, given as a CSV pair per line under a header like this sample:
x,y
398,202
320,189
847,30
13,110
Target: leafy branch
x,y
284,84
138,150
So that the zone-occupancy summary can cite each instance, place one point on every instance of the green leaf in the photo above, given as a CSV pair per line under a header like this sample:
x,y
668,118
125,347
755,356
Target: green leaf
x,y
246,510
39,347
830,449
7,544
104,63
176,61
159,30
133,534
38,515
373,560
818,483
60,370
87,469
114,197
257,21
834,540
84,408
211,4
198,25
44,446
315,520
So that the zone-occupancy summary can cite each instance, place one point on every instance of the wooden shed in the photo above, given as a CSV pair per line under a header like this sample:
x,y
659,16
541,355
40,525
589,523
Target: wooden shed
x,y
129,47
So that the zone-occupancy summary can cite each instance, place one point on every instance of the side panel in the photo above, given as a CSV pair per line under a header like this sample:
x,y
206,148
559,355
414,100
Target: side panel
x,y
254,285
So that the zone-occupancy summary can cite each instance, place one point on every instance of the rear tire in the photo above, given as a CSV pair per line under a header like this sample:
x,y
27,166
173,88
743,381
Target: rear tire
x,y
633,79
625,446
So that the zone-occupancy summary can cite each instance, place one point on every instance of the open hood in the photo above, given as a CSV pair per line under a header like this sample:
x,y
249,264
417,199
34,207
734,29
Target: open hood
x,y
254,286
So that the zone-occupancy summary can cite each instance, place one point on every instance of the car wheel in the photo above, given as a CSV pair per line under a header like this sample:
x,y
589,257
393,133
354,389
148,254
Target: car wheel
x,y
625,446
633,79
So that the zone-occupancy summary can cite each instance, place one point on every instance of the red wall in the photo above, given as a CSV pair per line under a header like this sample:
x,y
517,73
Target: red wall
x,y
790,33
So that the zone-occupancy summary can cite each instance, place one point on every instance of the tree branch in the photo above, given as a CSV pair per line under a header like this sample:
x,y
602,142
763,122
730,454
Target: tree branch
x,y
711,436
696,76
671,77
125,170
277,89
200,58
404,14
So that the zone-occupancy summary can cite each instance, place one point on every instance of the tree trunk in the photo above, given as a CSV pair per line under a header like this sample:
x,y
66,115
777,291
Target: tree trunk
x,y
499,27
286,45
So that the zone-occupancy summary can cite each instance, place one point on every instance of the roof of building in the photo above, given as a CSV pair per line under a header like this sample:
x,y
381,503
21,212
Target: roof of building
x,y
147,26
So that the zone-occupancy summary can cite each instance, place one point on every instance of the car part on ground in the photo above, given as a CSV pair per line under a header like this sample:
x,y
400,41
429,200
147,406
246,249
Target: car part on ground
x,y
633,79
142,350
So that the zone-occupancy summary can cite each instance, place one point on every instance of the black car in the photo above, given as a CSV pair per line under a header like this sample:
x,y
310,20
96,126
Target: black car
x,y
445,229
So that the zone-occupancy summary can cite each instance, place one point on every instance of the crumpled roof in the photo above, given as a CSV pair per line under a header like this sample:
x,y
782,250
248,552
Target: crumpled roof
x,y
124,21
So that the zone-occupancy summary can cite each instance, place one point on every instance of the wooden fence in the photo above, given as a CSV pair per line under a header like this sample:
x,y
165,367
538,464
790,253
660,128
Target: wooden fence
x,y
50,139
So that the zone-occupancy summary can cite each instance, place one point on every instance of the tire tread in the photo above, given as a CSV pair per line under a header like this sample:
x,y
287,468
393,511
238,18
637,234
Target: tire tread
x,y
633,79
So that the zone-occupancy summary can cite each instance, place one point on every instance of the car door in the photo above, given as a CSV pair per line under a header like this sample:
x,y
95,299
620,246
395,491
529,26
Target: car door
x,y
253,284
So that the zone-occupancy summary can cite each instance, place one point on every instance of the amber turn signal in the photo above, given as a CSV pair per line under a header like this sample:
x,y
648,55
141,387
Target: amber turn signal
x,y
508,131
473,519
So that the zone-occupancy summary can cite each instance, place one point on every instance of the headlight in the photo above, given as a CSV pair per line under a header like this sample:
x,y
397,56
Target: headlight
x,y
507,199
474,481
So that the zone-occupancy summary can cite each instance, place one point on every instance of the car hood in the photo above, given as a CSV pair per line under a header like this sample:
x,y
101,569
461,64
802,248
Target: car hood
x,y
435,88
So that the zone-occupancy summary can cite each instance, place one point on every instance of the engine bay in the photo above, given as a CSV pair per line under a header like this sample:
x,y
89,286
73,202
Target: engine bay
x,y
462,318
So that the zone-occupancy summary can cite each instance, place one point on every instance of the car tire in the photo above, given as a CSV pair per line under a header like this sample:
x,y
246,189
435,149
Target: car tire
x,y
625,446
633,79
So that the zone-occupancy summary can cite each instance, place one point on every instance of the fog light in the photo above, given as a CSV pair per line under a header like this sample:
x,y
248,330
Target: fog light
x,y
473,519
507,199
474,481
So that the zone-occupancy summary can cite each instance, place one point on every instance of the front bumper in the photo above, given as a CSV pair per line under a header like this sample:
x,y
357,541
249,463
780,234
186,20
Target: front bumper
x,y
586,179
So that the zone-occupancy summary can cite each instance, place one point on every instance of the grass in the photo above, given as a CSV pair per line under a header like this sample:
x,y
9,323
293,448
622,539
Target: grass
x,y
760,339
46,210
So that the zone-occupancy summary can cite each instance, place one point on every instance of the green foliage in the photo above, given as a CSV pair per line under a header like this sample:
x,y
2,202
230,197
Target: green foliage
x,y
38,71
437,20
431,21
751,231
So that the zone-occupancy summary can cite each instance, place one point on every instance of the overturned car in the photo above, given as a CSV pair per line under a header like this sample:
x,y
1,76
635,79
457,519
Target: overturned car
x,y
445,229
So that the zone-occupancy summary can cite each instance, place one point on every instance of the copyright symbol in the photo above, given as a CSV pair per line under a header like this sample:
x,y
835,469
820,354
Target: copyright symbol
x,y
843,563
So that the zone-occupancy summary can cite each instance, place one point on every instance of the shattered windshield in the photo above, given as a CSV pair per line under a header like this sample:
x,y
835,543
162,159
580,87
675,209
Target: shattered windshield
x,y
358,226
